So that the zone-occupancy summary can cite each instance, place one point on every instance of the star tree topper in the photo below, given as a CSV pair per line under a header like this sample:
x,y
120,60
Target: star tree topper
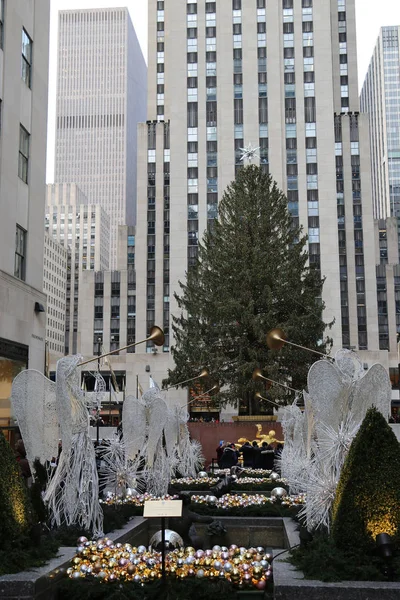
x,y
249,153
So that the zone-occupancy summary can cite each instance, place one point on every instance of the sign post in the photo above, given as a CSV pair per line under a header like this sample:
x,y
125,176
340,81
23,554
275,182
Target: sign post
x,y
163,509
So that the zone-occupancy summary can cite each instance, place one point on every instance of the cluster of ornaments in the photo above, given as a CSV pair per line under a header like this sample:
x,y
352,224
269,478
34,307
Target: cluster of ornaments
x,y
208,482
195,481
228,501
133,499
108,562
258,481
246,472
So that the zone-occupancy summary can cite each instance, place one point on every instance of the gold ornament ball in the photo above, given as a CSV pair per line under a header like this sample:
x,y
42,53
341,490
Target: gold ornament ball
x,y
235,575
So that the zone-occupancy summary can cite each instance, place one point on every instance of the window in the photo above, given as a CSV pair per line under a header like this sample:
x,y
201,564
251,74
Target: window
x,y
23,154
20,245
26,66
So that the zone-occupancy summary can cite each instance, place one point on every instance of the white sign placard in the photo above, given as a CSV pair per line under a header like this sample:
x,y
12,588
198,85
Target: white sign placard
x,y
162,508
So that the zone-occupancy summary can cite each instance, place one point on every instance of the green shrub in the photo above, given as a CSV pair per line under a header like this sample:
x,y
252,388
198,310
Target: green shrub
x,y
15,511
21,544
321,559
367,500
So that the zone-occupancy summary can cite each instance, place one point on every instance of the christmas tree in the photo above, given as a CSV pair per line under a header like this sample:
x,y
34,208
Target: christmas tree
x,y
252,275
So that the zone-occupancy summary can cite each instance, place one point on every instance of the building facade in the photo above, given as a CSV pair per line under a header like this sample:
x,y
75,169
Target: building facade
x,y
55,264
24,62
107,321
84,230
381,100
101,95
283,78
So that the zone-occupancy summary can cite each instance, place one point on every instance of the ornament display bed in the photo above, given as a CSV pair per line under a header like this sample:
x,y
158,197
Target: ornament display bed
x,y
41,584
289,583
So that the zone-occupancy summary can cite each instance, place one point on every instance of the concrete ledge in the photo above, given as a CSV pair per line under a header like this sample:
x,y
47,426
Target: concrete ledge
x,y
290,583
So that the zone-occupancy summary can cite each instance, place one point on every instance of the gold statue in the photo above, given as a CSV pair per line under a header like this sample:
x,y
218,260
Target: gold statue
x,y
269,438
240,443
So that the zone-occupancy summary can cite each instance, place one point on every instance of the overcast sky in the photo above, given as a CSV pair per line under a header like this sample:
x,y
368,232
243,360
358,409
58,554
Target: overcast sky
x,y
371,15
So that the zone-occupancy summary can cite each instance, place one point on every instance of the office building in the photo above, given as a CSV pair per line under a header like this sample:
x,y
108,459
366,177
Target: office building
x,y
283,78
55,287
84,230
381,100
24,62
101,95
107,321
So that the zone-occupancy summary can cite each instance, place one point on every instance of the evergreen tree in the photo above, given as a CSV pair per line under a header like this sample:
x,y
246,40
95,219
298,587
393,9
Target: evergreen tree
x,y
252,275
15,510
367,498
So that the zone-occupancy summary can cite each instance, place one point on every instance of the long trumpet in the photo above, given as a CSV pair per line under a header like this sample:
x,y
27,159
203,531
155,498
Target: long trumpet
x,y
204,373
156,336
257,374
211,392
276,338
259,397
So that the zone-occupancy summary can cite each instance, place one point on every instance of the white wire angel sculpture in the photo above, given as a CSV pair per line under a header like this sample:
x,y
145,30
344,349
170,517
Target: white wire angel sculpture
x,y
318,440
73,492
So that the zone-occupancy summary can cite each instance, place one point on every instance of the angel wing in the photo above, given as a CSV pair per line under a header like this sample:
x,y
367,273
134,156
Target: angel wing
x,y
33,400
328,393
133,426
171,431
373,389
157,414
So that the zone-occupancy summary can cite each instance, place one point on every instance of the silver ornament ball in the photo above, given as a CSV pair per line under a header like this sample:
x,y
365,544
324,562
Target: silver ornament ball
x,y
279,493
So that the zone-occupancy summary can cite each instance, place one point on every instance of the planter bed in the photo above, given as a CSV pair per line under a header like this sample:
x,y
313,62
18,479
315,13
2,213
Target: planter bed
x,y
40,584
270,510
289,583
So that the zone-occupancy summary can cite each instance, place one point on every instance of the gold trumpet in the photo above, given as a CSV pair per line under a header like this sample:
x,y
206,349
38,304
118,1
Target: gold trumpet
x,y
276,338
211,392
258,396
156,336
257,374
204,373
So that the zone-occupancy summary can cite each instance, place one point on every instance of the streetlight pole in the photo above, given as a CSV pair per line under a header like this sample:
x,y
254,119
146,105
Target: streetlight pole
x,y
98,409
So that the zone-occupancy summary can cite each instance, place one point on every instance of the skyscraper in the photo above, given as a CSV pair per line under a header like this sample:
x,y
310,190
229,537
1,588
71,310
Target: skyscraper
x,y
380,97
84,230
101,95
24,65
279,76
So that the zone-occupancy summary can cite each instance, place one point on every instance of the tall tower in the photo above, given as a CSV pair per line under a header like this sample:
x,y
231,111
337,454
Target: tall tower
x,y
101,96
380,98
281,76
24,69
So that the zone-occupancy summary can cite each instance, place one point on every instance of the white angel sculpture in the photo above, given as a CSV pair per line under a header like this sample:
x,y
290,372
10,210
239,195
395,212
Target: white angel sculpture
x,y
73,492
317,441
156,441
48,411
